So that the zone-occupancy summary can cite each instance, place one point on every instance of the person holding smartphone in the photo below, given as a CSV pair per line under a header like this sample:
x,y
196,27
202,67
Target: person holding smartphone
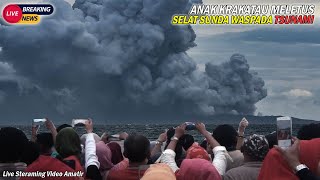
x,y
293,163
291,156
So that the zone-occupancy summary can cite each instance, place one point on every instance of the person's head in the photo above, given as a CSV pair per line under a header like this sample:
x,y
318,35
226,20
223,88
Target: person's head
x,y
272,139
255,148
116,152
226,135
84,137
105,137
159,172
59,128
104,155
136,148
45,142
12,144
308,132
196,151
186,141
199,169
68,143
30,153
204,144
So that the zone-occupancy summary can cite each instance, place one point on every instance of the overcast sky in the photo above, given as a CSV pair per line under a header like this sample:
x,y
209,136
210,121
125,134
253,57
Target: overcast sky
x,y
286,57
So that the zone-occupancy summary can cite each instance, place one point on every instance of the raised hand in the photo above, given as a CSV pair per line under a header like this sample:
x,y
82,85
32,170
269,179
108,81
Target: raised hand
x,y
89,126
123,135
49,124
201,127
180,130
291,154
162,137
243,124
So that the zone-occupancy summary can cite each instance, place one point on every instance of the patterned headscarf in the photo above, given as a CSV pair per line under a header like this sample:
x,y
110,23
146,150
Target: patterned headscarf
x,y
196,151
256,147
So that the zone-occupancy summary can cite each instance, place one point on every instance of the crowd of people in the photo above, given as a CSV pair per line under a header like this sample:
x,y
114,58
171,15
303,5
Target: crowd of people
x,y
225,153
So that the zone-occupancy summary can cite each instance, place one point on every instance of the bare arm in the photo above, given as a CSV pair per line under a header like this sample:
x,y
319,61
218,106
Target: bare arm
x,y
157,148
168,156
202,129
220,153
50,126
242,126
34,132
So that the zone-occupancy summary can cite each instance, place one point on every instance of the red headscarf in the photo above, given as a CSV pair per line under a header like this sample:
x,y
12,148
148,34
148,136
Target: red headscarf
x,y
197,169
275,167
196,151
116,152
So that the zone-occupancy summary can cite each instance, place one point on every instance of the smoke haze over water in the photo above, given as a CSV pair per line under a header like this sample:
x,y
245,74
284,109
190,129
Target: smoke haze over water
x,y
117,60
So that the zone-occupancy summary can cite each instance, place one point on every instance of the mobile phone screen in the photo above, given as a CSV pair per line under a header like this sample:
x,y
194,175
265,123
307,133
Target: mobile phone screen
x,y
190,126
284,131
78,122
38,122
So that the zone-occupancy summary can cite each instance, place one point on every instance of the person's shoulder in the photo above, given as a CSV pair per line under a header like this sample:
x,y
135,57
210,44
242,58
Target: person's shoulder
x,y
47,163
231,174
241,172
125,174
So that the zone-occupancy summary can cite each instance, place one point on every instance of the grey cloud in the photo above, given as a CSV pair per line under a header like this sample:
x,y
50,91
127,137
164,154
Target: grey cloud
x,y
289,35
120,60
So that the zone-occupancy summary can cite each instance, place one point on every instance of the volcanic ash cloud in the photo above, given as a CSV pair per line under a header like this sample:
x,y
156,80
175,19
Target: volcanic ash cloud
x,y
118,59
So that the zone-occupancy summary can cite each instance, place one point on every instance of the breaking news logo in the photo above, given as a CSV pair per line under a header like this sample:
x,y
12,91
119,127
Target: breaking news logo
x,y
25,13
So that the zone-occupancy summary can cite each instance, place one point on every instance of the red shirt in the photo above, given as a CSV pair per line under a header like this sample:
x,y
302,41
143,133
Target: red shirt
x,y
53,169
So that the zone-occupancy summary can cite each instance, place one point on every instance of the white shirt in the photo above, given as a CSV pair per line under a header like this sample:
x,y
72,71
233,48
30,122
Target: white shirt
x,y
90,152
219,161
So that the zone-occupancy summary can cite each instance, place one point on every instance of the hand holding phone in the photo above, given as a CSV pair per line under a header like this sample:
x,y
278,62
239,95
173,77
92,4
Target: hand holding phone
x,y
38,122
78,122
284,132
190,126
89,126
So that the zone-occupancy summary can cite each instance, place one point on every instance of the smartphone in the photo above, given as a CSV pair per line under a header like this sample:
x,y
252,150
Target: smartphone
x,y
284,131
190,126
38,122
78,122
115,137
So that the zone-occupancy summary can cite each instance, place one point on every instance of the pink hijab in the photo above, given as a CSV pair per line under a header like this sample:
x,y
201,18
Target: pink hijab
x,y
104,156
197,169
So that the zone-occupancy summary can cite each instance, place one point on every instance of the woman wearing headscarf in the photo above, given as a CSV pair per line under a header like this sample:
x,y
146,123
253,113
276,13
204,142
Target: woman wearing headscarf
x,y
158,172
199,167
104,156
196,151
309,157
69,148
116,152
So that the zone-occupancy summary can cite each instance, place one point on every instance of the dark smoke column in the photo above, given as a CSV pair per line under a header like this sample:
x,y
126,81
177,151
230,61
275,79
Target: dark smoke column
x,y
117,59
